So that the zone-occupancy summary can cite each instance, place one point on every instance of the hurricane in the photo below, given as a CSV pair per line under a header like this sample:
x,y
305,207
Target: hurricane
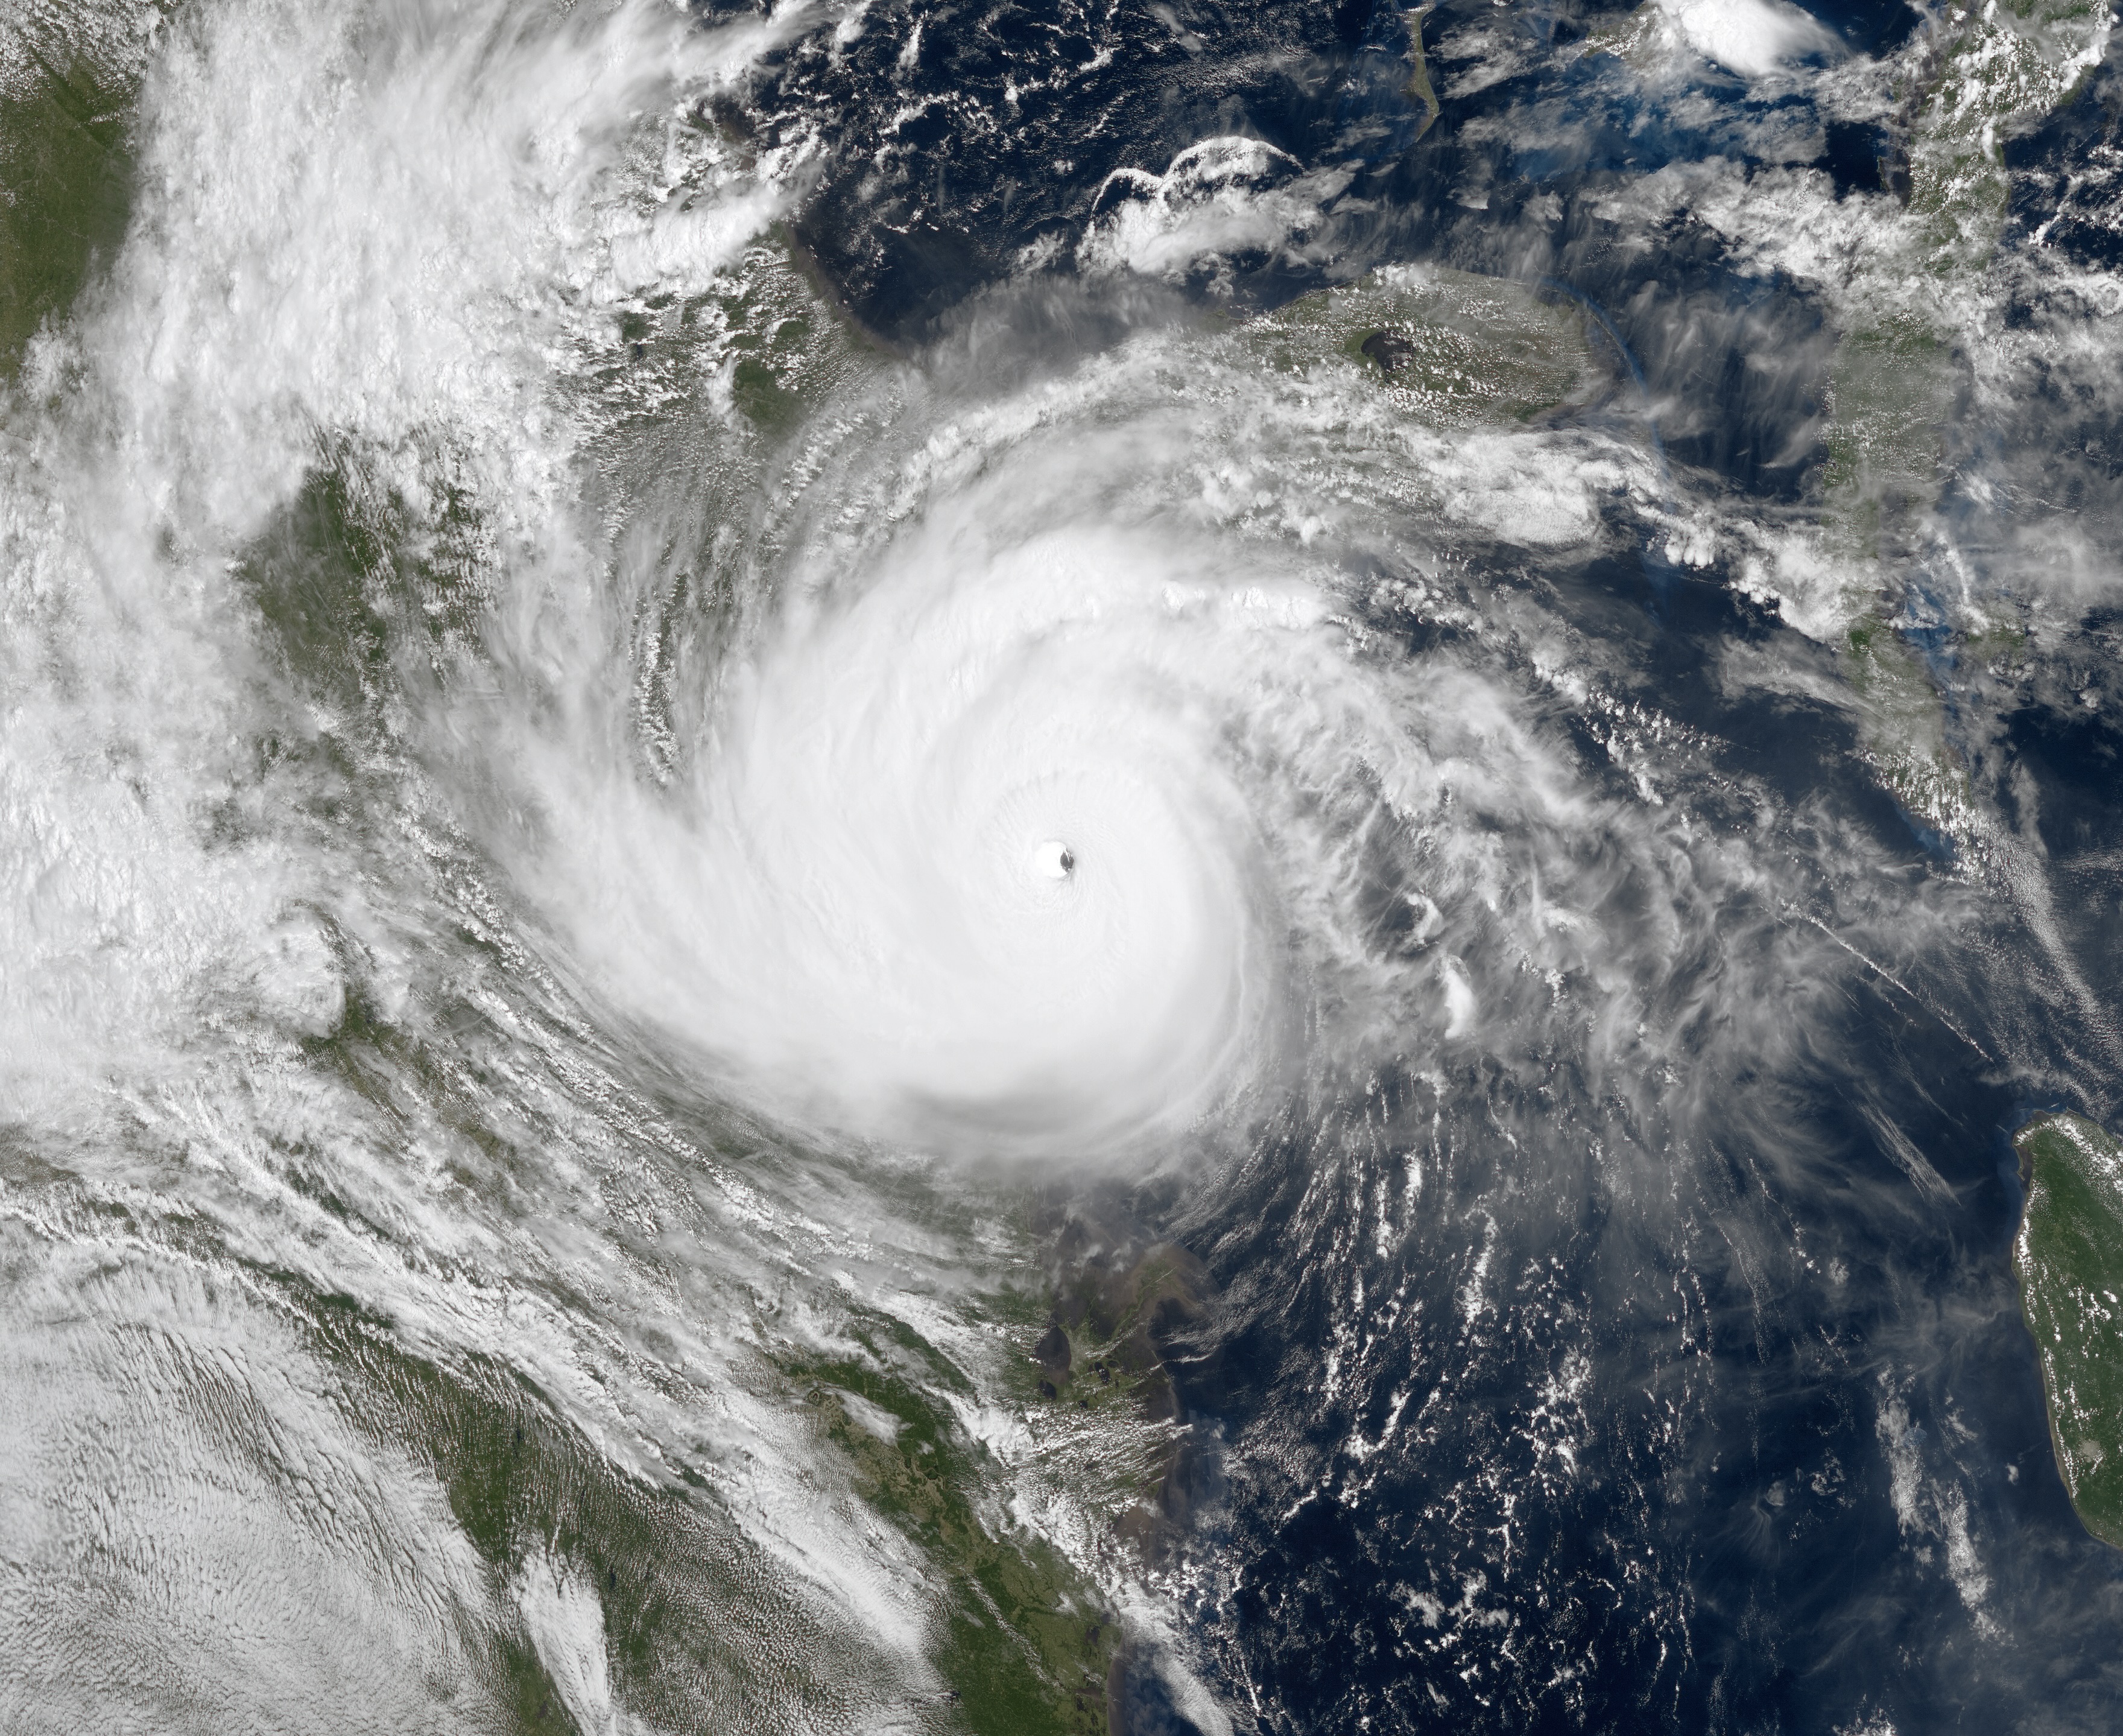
x,y
1034,901
1115,869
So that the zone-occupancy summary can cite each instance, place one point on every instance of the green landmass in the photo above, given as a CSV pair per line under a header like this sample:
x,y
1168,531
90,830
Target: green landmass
x,y
1025,1642
1896,374
66,185
695,1626
349,575
695,1630
1450,347
770,330
1419,86
2068,1255
1905,725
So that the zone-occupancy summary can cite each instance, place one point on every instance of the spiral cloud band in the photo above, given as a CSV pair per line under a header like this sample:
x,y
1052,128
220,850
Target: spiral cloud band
x,y
973,858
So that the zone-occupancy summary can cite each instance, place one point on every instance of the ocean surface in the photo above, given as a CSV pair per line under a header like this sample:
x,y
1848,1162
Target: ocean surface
x,y
1136,868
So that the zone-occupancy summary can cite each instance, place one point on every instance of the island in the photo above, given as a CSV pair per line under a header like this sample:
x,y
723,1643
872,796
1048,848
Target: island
x,y
2069,1254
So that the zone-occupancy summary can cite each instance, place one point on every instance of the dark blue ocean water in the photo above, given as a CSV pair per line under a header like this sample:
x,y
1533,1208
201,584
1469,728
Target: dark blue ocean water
x,y
1754,1442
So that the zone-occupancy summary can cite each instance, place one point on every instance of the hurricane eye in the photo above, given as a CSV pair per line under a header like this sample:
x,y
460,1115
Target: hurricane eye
x,y
1055,860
